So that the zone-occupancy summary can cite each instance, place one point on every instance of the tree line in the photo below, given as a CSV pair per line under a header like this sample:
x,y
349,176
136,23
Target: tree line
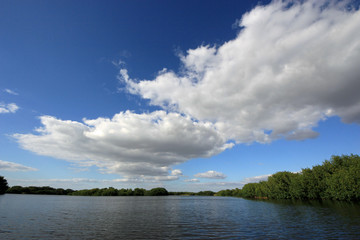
x,y
159,191
336,179
87,192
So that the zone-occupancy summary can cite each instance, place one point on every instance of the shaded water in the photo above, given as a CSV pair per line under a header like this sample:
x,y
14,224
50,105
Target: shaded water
x,y
173,217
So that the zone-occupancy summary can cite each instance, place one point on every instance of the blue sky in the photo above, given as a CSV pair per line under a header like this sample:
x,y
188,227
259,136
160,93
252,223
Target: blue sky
x,y
189,95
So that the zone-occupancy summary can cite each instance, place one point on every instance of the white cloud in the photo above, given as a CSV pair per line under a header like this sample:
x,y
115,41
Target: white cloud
x,y
14,167
130,144
293,64
9,91
211,174
256,179
192,180
8,108
212,186
196,185
176,172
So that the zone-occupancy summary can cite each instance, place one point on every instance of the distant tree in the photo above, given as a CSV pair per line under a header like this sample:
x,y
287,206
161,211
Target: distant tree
x,y
15,190
157,192
225,193
237,192
139,192
125,192
3,185
207,193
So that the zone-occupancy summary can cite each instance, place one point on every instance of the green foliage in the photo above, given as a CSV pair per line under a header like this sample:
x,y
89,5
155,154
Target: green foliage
x,y
157,192
39,190
224,193
139,192
248,191
3,185
337,179
279,185
89,192
125,192
344,182
205,193
182,193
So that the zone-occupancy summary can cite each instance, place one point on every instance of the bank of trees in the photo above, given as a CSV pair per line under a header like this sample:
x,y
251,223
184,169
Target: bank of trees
x,y
337,179
88,192
46,190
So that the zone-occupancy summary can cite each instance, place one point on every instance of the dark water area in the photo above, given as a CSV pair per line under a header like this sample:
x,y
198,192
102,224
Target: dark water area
x,y
173,217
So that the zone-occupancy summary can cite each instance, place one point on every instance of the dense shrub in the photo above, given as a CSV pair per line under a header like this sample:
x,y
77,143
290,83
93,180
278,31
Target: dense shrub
x,y
337,179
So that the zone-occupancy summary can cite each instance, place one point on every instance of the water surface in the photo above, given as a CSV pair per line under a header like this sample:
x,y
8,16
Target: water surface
x,y
173,217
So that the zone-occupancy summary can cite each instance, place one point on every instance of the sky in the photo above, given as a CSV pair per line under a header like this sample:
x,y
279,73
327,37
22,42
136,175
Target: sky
x,y
186,95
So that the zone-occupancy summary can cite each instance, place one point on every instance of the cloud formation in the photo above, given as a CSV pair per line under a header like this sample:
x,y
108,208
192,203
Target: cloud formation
x,y
8,108
130,144
293,64
14,167
211,175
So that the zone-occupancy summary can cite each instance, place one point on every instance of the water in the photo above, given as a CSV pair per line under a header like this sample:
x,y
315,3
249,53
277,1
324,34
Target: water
x,y
173,217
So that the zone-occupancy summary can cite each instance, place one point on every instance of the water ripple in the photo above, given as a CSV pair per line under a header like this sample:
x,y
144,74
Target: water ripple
x,y
70,217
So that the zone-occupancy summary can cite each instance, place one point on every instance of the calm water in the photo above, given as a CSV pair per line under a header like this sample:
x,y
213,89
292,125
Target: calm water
x,y
173,217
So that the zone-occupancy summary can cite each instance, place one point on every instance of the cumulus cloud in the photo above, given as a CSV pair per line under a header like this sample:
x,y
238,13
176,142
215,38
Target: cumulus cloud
x,y
293,64
130,144
211,174
8,108
14,167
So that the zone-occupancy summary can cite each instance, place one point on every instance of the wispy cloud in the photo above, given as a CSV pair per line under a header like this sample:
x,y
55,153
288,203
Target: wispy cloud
x,y
14,167
192,180
8,108
9,91
211,175
196,185
213,186
256,179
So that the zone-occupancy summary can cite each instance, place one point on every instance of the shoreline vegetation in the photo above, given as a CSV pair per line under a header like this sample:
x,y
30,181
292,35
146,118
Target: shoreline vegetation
x,y
337,179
